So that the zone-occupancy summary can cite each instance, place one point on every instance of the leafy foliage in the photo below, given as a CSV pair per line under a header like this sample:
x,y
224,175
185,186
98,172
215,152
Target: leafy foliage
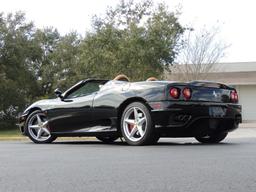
x,y
18,85
134,39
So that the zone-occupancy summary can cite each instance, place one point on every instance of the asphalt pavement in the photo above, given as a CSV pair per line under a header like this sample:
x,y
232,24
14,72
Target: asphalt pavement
x,y
177,165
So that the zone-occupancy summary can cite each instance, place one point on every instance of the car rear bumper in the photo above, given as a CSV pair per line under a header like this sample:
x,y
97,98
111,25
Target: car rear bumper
x,y
194,118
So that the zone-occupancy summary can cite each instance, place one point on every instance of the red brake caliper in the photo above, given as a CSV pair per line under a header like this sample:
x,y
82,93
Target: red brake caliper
x,y
130,127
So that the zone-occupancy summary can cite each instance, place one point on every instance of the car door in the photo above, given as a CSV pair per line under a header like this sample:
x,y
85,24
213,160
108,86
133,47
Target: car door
x,y
74,112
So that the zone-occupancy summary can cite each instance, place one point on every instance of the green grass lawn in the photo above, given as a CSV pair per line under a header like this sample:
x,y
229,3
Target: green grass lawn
x,y
12,133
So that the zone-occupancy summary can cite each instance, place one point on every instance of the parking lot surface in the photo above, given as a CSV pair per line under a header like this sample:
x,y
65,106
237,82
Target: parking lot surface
x,y
171,165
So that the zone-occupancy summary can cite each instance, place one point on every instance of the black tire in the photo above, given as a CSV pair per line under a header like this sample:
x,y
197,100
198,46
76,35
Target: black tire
x,y
148,136
107,139
155,139
213,138
27,132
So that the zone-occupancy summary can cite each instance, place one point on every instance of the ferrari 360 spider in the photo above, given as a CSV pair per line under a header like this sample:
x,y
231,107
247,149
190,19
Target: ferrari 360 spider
x,y
139,112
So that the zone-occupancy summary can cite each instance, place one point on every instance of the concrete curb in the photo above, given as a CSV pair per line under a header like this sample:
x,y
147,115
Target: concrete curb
x,y
248,125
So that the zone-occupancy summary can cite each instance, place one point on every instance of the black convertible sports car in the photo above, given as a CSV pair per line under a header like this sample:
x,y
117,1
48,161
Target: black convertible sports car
x,y
140,112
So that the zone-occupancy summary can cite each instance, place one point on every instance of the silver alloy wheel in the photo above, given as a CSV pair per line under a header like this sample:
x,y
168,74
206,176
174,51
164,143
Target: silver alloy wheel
x,y
135,123
38,127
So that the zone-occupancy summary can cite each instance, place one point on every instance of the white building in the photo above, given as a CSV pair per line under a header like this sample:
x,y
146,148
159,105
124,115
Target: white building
x,y
242,76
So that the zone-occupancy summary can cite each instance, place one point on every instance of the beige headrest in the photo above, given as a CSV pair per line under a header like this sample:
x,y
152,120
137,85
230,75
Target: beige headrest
x,y
121,77
152,79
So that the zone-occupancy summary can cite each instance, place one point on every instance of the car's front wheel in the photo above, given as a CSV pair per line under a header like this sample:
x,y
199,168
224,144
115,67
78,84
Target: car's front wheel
x,y
37,128
212,138
136,124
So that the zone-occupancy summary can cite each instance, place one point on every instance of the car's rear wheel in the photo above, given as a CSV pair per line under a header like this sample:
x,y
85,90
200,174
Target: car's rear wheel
x,y
136,124
212,138
107,139
37,128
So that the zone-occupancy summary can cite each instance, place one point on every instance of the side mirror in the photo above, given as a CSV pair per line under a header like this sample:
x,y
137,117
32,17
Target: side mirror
x,y
58,93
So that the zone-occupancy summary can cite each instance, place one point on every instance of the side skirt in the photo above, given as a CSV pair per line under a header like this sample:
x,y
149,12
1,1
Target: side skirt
x,y
92,131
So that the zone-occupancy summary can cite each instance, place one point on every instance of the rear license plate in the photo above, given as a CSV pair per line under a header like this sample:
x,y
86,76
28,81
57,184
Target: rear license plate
x,y
217,111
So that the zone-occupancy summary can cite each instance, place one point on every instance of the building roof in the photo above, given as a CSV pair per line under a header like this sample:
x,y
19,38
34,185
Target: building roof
x,y
238,73
234,78
235,67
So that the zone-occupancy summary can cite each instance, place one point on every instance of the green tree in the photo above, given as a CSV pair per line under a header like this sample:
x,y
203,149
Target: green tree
x,y
17,84
57,58
134,39
67,58
44,67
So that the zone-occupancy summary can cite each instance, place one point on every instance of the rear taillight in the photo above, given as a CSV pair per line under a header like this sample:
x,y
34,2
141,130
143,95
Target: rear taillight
x,y
174,92
234,96
187,93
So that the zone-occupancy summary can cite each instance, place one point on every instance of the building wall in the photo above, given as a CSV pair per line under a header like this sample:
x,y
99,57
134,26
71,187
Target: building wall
x,y
247,98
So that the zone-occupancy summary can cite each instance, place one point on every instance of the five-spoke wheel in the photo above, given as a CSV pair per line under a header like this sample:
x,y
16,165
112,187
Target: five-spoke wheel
x,y
37,128
136,124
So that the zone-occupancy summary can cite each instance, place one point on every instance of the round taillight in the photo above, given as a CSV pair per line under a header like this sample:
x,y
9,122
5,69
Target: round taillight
x,y
234,96
174,92
187,93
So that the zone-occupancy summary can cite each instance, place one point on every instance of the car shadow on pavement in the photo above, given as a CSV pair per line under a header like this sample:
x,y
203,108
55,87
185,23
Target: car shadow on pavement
x,y
120,143
192,144
88,143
